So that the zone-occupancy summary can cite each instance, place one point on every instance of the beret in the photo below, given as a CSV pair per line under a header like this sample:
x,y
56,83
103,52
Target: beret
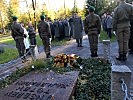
x,y
42,16
14,18
91,9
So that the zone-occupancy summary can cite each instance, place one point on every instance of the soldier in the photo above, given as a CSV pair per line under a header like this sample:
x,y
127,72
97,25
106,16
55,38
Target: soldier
x,y
92,27
45,35
77,29
131,36
18,36
121,24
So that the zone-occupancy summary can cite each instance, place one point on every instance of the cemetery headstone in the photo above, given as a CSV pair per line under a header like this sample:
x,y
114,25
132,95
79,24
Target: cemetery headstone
x,y
42,86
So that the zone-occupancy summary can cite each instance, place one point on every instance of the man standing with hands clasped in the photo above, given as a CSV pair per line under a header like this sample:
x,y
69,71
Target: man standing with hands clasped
x,y
92,25
121,24
45,35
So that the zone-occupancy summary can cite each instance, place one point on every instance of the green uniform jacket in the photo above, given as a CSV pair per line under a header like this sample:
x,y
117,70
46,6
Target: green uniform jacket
x,y
122,15
92,24
44,29
17,30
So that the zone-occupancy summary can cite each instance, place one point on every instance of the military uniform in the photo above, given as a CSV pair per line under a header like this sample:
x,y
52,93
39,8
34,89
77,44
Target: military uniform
x,y
121,24
131,38
18,35
45,35
92,25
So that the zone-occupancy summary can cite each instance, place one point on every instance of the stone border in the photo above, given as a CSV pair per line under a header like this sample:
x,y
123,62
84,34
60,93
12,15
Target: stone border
x,y
120,72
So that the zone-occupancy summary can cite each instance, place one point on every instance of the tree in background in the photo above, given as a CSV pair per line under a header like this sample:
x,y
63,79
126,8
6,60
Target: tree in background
x,y
102,6
9,15
3,15
14,5
12,10
129,1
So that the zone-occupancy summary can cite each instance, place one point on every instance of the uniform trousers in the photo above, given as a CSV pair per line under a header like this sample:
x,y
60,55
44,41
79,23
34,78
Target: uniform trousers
x,y
46,43
123,35
131,37
20,46
93,40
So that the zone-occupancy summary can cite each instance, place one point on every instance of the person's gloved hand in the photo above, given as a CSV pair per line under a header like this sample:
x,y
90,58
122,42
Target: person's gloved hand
x,y
98,31
86,32
50,39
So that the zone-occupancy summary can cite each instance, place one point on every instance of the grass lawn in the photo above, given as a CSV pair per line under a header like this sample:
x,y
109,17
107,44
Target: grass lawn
x,y
12,53
10,41
104,36
7,40
8,55
4,34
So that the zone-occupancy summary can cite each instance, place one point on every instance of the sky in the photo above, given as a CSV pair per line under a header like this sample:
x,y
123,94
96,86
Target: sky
x,y
56,4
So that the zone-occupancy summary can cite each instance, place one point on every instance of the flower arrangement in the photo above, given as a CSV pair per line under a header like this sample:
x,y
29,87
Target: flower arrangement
x,y
65,60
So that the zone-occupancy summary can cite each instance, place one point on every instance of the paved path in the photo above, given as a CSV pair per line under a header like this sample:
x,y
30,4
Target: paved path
x,y
83,52
5,45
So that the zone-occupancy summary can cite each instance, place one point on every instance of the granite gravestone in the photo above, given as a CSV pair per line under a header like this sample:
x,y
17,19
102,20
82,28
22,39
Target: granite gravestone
x,y
42,86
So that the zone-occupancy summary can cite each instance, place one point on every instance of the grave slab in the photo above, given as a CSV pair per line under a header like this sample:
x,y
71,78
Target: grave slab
x,y
42,86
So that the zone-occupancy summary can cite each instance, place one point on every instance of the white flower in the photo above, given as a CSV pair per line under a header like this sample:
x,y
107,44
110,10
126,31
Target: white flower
x,y
32,66
81,67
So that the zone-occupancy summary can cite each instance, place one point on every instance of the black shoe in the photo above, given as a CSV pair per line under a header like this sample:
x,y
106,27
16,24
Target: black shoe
x,y
24,60
120,58
95,54
92,54
131,51
48,55
80,46
124,57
